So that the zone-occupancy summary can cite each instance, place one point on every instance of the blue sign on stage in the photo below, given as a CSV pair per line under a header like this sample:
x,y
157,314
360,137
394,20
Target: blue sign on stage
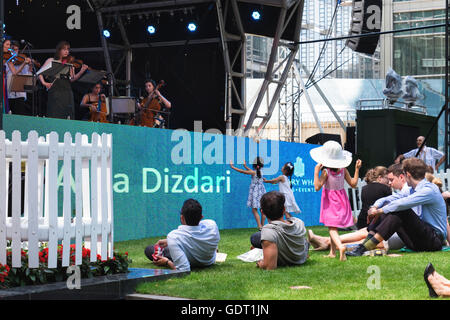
x,y
155,171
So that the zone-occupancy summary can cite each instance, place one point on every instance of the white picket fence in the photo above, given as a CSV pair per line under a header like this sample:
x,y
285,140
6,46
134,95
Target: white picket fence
x,y
355,196
41,220
444,176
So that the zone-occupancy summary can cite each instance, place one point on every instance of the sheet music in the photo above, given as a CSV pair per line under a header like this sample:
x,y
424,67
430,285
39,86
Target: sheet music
x,y
55,69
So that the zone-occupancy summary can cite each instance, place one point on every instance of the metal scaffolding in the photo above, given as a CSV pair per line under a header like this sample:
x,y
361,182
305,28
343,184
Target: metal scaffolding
x,y
296,12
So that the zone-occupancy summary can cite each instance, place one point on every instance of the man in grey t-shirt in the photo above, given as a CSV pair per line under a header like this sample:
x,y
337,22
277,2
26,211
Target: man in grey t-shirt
x,y
283,240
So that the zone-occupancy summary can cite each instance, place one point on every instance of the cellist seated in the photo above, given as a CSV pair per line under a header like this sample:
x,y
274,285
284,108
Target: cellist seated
x,y
94,105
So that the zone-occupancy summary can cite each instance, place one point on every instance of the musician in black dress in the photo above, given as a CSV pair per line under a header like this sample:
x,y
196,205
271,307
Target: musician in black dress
x,y
89,103
60,95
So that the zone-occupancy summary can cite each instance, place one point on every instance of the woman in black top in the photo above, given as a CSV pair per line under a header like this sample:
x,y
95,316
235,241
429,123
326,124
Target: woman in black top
x,y
60,95
377,187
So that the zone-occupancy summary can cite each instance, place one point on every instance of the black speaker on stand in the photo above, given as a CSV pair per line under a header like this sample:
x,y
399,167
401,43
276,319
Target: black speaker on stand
x,y
366,18
321,138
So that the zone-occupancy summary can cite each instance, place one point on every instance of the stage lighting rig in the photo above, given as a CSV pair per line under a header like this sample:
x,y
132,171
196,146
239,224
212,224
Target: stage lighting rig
x,y
151,29
192,27
256,15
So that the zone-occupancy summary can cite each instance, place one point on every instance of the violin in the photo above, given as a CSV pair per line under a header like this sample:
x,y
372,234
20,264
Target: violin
x,y
77,63
100,114
18,58
149,108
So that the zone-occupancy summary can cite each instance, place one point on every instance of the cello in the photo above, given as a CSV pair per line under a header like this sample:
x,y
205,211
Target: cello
x,y
149,108
100,114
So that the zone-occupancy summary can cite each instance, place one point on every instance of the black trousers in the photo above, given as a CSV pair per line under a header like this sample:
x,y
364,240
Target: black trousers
x,y
415,233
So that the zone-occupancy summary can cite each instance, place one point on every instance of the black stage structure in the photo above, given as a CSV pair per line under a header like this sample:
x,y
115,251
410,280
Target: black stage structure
x,y
196,66
204,70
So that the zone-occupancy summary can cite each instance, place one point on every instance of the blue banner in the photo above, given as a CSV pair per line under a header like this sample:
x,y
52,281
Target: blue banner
x,y
155,171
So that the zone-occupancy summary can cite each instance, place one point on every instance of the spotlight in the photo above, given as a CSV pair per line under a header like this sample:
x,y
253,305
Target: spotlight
x,y
151,29
256,15
106,33
192,27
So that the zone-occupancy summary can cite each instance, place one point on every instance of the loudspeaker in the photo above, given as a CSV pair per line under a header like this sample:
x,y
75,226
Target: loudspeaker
x,y
366,18
350,144
321,138
382,135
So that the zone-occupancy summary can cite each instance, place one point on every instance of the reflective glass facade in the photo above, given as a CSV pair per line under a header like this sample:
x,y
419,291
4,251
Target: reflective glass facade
x,y
420,52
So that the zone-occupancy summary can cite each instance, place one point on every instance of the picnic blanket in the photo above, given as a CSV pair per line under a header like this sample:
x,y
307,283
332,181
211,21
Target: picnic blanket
x,y
405,249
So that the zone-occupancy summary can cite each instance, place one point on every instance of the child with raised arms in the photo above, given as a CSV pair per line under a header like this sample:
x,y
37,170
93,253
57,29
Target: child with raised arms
x,y
256,189
285,187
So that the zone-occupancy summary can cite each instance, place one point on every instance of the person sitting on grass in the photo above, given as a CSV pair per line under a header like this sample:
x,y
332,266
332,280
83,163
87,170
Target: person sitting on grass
x,y
283,241
193,244
394,214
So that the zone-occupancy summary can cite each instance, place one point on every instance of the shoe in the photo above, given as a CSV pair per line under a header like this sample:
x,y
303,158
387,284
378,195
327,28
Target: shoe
x,y
358,252
429,270
375,253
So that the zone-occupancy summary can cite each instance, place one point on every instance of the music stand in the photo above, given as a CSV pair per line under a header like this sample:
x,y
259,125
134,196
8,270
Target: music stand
x,y
23,83
92,76
56,69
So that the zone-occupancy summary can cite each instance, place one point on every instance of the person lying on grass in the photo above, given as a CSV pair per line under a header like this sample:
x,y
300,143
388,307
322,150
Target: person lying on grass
x,y
283,240
193,244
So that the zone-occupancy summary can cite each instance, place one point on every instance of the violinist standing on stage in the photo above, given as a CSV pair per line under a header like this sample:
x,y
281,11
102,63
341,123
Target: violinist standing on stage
x,y
90,101
153,93
10,70
18,100
60,102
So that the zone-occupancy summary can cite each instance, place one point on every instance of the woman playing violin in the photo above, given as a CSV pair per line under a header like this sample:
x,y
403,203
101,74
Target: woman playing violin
x,y
18,100
90,101
60,96
15,105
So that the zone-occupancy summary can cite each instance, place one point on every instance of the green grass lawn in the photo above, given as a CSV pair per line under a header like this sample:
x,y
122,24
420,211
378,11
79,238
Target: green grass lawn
x,y
401,277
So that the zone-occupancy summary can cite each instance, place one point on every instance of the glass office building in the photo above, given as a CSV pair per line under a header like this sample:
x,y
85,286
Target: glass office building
x,y
419,53
336,61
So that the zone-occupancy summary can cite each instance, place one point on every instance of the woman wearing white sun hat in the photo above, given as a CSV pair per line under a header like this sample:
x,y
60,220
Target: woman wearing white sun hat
x,y
335,208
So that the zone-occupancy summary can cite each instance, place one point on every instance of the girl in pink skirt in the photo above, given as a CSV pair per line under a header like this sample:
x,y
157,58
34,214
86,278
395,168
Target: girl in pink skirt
x,y
335,209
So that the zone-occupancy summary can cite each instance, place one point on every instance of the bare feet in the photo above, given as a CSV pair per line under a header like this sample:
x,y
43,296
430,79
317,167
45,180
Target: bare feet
x,y
331,255
441,278
440,289
317,242
342,255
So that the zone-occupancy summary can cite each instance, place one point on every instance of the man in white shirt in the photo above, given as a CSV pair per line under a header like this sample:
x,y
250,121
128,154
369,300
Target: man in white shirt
x,y
193,244
427,154
397,181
